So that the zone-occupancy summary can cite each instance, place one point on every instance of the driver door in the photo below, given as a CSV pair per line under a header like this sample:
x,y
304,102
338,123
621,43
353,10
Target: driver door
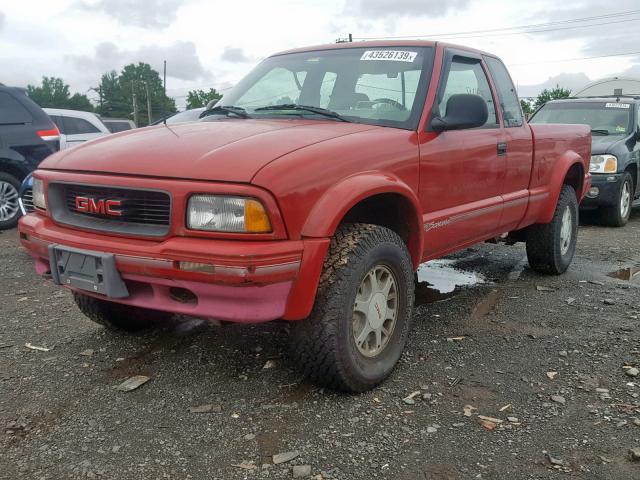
x,y
461,171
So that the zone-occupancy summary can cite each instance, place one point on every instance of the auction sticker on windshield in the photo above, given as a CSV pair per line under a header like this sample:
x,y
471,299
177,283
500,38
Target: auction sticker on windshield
x,y
617,105
389,55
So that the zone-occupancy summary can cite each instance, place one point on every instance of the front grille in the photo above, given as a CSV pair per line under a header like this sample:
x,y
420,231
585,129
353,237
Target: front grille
x,y
27,200
138,206
136,212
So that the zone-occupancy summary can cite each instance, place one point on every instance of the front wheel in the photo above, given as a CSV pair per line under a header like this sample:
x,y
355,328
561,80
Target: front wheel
x,y
551,246
360,321
618,215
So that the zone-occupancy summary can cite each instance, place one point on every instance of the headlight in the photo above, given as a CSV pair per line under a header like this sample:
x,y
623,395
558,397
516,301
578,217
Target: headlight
x,y
217,213
39,199
603,164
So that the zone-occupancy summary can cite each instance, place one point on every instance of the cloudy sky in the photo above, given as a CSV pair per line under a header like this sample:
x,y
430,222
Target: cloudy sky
x,y
213,43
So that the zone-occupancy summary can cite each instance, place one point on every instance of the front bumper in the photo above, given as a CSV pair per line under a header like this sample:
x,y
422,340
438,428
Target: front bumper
x,y
603,192
246,282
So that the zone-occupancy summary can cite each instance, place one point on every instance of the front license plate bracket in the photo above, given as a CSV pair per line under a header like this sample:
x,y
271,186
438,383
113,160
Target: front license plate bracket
x,y
94,272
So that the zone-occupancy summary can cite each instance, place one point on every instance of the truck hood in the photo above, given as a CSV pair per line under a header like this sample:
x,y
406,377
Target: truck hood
x,y
229,150
601,144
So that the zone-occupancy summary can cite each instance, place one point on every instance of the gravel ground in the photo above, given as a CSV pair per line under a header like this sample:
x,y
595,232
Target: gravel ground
x,y
542,357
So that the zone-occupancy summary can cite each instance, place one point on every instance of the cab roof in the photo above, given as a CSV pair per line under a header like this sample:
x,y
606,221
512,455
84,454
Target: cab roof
x,y
381,44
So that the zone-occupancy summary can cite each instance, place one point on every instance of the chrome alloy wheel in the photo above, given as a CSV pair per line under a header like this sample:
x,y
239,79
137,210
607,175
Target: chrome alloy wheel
x,y
566,230
375,311
625,200
9,205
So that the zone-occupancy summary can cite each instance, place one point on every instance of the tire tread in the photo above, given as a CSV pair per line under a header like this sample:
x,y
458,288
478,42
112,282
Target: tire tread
x,y
313,341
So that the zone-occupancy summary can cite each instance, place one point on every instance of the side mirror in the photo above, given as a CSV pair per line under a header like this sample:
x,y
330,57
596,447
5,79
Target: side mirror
x,y
463,111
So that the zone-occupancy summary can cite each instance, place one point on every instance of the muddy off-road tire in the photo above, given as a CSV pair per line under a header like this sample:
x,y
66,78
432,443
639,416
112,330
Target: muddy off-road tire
x,y
551,246
618,215
360,321
119,317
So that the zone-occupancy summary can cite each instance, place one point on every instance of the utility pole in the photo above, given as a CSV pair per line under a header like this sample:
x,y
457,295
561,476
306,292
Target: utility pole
x,y
135,103
164,78
146,88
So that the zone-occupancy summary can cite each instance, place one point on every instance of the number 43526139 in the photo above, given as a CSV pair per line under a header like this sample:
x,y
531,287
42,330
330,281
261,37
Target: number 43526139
x,y
389,55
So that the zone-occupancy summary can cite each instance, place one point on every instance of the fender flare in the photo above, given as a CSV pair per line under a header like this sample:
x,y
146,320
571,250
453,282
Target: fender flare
x,y
562,167
335,203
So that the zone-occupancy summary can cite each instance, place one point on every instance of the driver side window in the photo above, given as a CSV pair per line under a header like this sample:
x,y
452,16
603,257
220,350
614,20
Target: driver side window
x,y
467,76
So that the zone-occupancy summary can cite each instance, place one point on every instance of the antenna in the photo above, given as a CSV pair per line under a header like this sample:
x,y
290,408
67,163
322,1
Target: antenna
x,y
164,100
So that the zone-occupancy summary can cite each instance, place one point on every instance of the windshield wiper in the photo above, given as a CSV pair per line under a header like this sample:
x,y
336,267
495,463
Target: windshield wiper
x,y
238,111
305,108
600,131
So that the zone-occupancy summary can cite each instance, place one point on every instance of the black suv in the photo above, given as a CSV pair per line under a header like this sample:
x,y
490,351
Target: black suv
x,y
27,136
615,151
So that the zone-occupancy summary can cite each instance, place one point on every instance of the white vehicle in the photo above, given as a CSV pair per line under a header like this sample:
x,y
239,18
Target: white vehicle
x,y
116,125
75,126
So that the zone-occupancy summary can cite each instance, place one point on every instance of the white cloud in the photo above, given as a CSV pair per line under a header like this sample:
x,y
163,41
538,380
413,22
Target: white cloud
x,y
182,60
572,81
197,37
141,13
391,9
233,55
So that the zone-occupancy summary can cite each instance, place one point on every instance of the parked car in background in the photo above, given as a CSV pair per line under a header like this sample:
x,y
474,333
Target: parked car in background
x,y
312,193
615,151
116,125
192,115
27,136
76,127
26,195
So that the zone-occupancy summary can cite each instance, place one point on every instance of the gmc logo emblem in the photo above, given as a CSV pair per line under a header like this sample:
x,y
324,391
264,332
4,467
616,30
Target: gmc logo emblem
x,y
101,206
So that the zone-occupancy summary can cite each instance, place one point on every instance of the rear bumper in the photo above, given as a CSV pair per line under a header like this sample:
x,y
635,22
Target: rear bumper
x,y
603,191
244,281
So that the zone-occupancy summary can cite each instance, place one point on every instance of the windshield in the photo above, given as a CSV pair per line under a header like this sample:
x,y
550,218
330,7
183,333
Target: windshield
x,y
605,118
378,86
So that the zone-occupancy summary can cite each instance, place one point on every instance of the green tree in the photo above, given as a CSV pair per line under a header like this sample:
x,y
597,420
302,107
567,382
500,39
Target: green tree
x,y
118,91
527,109
54,93
200,98
553,94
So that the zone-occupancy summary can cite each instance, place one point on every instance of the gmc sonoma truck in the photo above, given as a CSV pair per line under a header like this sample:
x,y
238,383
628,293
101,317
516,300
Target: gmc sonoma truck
x,y
311,193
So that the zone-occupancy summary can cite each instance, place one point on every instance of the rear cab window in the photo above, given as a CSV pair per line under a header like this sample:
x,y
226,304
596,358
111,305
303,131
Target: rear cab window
x,y
12,112
507,95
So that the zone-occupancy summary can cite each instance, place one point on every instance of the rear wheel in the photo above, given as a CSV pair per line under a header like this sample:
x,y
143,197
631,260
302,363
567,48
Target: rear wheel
x,y
360,321
9,206
618,215
551,246
117,316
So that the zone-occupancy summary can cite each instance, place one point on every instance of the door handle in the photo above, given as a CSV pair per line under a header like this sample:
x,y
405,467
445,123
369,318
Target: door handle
x,y
502,149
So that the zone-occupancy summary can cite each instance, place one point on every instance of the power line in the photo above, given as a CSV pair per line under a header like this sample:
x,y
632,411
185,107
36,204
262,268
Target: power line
x,y
519,27
544,30
576,59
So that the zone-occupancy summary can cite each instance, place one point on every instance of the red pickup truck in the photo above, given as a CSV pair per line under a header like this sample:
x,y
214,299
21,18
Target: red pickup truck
x,y
311,193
